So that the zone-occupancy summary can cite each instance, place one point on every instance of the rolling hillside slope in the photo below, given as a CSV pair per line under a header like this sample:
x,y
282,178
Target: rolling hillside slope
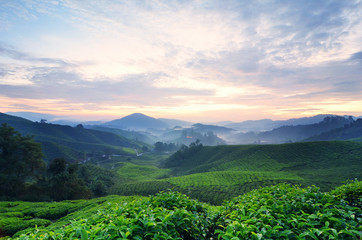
x,y
66,141
352,131
291,133
213,174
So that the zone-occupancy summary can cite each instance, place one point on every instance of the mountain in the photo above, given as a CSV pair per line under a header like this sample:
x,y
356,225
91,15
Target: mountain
x,y
351,131
143,137
187,136
253,125
268,124
33,116
72,143
174,122
137,121
74,123
211,128
50,118
292,133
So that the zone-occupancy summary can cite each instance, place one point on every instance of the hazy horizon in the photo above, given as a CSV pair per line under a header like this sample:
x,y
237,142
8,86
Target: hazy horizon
x,y
198,61
52,118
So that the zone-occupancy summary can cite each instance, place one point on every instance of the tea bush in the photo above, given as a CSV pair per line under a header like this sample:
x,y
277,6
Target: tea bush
x,y
163,216
351,193
289,212
278,212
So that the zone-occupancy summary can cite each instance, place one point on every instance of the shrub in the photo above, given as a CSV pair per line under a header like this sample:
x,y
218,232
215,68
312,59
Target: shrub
x,y
164,216
12,225
351,193
286,212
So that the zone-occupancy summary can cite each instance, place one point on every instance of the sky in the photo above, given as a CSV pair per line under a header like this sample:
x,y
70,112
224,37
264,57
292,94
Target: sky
x,y
202,60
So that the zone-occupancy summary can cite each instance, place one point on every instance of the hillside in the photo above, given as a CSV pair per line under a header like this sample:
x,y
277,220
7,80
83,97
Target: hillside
x,y
351,131
291,133
69,142
189,135
33,116
268,124
213,174
137,136
175,122
211,128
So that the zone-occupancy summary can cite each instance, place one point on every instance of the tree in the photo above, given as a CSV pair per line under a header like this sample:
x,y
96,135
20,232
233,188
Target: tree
x,y
57,166
20,161
64,182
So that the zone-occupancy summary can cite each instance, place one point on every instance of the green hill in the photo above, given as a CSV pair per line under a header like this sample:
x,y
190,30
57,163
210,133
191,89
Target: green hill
x,y
351,131
213,174
72,143
291,133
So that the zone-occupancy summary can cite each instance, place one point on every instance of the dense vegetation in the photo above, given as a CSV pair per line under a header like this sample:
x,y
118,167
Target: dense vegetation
x,y
72,143
25,176
277,212
215,174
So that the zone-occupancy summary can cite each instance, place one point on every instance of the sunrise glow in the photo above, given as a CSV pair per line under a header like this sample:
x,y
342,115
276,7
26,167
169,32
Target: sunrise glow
x,y
191,60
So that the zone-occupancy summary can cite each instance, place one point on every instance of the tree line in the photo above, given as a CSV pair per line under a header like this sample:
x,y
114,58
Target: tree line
x,y
24,175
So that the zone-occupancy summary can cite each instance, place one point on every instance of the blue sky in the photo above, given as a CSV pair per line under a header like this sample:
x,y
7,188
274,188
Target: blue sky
x,y
192,60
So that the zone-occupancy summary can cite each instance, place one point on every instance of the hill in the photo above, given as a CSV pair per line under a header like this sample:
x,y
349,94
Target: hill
x,y
33,116
175,122
268,124
296,133
189,135
351,131
137,136
202,128
72,143
213,174
137,121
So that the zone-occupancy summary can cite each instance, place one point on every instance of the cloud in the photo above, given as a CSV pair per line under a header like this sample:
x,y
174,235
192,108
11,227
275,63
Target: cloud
x,y
356,56
53,83
12,53
165,54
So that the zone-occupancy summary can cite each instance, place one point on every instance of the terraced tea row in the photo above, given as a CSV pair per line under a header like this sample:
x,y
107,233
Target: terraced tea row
x,y
212,187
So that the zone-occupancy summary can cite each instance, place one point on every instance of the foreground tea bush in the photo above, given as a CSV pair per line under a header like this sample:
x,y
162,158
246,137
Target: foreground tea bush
x,y
285,212
351,193
278,212
163,216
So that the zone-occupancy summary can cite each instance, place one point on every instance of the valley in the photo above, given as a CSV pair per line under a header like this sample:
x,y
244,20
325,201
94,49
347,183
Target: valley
x,y
112,166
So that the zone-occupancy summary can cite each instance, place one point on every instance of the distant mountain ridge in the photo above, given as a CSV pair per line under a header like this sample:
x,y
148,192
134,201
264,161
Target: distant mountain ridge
x,y
351,131
175,122
211,128
50,118
252,131
292,133
137,121
33,116
268,124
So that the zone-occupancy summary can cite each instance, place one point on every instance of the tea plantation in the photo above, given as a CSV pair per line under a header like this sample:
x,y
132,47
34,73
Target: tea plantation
x,y
278,212
215,174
